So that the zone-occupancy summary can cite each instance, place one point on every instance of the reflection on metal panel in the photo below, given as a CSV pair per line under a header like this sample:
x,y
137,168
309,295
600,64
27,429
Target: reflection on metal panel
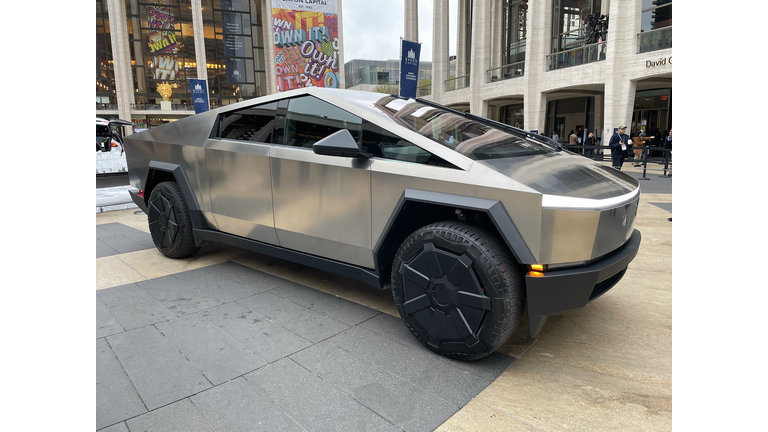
x,y
240,189
322,204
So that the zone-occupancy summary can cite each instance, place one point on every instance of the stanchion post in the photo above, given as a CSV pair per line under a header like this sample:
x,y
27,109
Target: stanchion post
x,y
666,154
645,163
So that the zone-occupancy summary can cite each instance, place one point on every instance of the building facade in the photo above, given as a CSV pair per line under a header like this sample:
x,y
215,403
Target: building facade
x,y
558,66
243,48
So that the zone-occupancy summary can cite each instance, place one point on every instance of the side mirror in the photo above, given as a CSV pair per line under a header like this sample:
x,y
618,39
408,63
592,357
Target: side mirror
x,y
339,143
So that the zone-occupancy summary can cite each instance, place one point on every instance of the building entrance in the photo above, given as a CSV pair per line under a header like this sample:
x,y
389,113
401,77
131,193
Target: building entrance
x,y
653,114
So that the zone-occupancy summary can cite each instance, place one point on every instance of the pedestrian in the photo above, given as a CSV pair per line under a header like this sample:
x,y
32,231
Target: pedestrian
x,y
555,136
591,141
668,145
573,141
619,144
637,142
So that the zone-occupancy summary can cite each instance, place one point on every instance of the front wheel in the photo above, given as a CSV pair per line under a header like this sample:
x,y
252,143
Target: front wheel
x,y
169,222
457,289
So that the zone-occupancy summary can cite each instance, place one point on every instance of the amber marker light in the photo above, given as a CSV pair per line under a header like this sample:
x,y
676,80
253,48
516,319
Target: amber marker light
x,y
537,270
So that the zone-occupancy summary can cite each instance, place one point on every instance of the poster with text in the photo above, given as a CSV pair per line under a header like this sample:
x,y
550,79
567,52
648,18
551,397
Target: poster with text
x,y
307,45
163,46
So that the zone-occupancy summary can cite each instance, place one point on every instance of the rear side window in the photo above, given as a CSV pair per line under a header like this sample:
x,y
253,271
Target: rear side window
x,y
248,124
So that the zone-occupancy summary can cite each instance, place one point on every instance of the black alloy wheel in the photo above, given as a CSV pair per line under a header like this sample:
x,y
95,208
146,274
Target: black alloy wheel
x,y
169,221
458,289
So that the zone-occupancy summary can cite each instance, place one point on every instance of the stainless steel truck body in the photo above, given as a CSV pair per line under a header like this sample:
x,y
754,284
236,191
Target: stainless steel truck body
x,y
465,219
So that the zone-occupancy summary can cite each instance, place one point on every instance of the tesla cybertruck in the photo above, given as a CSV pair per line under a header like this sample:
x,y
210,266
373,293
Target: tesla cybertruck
x,y
466,219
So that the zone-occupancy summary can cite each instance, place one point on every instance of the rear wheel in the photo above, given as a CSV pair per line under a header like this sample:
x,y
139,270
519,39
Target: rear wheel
x,y
457,289
169,221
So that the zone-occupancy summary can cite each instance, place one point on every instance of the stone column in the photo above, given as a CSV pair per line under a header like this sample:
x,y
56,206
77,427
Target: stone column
x,y
121,58
481,54
498,34
538,30
199,32
461,39
411,20
619,92
439,49
269,46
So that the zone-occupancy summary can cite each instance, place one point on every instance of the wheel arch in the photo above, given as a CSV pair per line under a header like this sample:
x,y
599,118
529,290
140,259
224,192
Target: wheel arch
x,y
159,172
417,208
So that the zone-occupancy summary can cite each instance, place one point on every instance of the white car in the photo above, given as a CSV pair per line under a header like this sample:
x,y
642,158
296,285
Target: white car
x,y
106,140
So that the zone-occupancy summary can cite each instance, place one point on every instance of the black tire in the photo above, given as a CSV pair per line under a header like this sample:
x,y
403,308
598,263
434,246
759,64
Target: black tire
x,y
457,289
169,221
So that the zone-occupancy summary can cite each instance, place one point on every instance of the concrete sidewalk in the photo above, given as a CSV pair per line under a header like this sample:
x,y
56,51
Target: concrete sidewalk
x,y
181,344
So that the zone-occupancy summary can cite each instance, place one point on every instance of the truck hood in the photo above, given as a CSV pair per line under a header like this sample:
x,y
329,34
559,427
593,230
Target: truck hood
x,y
565,174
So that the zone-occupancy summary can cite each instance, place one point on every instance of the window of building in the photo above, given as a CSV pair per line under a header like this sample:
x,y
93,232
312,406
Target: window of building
x,y
655,26
106,98
571,23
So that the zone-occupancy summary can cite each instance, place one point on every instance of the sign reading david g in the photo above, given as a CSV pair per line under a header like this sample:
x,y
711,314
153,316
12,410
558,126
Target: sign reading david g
x,y
409,68
199,89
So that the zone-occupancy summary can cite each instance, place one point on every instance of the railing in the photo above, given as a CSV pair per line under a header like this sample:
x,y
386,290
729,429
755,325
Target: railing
x,y
457,83
105,106
145,106
514,70
577,56
654,40
182,107
424,90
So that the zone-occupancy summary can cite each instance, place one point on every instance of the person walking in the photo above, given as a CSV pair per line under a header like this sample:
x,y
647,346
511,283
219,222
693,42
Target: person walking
x,y
637,142
619,144
591,140
573,140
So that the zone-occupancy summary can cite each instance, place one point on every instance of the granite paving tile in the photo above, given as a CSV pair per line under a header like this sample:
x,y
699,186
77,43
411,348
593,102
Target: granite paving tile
x,y
335,307
238,406
400,402
119,427
116,397
263,337
419,367
209,349
314,403
306,323
179,416
229,281
123,244
104,250
133,307
106,324
178,296
160,373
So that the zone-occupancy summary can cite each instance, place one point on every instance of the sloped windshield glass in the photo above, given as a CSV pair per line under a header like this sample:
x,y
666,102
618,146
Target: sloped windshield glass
x,y
476,140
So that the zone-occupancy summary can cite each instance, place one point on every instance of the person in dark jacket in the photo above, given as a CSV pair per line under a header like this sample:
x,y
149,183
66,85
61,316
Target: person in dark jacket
x,y
618,140
591,140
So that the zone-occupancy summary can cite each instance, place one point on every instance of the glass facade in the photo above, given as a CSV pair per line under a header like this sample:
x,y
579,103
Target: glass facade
x,y
234,50
655,26
569,22
377,72
105,72
162,46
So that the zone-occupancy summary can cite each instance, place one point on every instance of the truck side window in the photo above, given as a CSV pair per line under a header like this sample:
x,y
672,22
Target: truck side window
x,y
309,120
249,124
386,145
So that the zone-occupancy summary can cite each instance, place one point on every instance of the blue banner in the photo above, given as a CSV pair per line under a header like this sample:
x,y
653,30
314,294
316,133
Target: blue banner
x,y
409,68
199,89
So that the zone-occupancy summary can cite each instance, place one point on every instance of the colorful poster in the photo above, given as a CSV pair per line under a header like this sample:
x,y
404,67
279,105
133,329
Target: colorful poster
x,y
163,46
307,44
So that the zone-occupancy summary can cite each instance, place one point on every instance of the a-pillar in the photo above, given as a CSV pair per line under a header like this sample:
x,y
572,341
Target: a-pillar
x,y
411,20
439,49
121,58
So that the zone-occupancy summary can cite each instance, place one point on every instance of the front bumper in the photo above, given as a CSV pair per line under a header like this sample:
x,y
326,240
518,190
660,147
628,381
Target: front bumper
x,y
560,291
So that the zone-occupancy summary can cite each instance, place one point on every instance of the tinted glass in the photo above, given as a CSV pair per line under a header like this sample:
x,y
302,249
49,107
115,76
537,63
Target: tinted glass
x,y
249,124
309,120
469,137
383,144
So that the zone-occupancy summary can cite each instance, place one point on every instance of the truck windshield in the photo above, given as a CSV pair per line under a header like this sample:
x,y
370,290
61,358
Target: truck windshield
x,y
478,141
